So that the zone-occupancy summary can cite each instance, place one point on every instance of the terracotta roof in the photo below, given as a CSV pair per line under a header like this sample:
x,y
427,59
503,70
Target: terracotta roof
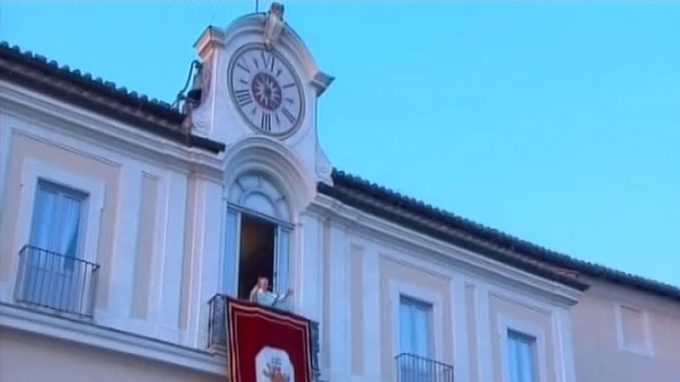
x,y
487,241
103,97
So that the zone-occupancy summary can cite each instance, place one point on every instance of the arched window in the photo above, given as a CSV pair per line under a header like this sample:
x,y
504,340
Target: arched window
x,y
255,193
257,236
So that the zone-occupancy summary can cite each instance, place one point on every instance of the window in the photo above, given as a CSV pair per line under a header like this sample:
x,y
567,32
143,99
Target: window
x,y
521,357
52,275
415,335
633,331
57,219
632,323
257,236
415,327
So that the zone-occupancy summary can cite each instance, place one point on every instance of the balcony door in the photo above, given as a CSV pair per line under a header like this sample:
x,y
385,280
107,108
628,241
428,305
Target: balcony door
x,y
521,357
416,345
257,239
51,273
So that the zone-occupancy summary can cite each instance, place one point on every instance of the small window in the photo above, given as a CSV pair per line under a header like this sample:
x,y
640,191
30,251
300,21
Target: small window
x,y
633,335
415,335
521,357
415,324
57,219
633,327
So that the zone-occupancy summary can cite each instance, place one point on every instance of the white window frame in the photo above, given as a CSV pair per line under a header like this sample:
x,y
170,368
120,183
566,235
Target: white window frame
x,y
83,199
647,349
281,270
398,289
34,171
426,308
506,325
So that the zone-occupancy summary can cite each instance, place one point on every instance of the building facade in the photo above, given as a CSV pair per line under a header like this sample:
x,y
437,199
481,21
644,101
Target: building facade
x,y
124,222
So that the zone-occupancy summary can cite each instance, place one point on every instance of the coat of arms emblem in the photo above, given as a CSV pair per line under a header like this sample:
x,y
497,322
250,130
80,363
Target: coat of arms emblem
x,y
273,365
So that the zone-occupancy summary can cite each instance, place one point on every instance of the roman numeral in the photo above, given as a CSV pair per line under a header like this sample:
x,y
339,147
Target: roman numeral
x,y
288,115
266,122
257,66
243,67
290,85
264,58
268,61
243,97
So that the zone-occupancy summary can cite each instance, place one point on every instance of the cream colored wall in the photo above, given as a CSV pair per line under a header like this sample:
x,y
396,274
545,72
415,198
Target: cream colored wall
x,y
357,312
145,246
525,316
467,311
150,226
29,358
393,272
324,353
472,326
25,148
189,273
597,352
160,240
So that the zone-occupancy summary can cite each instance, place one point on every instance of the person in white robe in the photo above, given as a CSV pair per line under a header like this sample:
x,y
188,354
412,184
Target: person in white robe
x,y
260,294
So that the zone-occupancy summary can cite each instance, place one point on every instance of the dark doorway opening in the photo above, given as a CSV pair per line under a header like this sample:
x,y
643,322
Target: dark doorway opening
x,y
256,253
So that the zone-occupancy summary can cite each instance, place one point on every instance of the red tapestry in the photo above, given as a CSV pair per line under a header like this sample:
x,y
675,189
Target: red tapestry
x,y
267,345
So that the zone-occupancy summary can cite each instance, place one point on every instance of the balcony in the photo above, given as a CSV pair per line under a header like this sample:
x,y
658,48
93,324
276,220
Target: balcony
x,y
412,368
57,283
217,331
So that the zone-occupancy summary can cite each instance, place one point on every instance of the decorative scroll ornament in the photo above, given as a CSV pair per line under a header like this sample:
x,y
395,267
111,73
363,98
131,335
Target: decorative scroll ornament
x,y
323,165
273,24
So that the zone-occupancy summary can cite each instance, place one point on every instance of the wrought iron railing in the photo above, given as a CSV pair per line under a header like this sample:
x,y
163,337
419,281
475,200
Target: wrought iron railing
x,y
217,331
412,368
53,281
217,323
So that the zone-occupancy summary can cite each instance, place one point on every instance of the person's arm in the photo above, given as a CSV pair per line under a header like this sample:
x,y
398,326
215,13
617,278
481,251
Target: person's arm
x,y
253,294
283,297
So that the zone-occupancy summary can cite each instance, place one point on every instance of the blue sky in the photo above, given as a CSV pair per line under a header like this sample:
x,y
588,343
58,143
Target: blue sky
x,y
558,122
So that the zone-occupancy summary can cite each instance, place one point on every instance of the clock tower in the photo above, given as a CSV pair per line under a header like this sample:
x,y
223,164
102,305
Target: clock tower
x,y
260,85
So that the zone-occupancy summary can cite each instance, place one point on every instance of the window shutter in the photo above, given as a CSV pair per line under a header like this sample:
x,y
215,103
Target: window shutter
x,y
231,246
281,260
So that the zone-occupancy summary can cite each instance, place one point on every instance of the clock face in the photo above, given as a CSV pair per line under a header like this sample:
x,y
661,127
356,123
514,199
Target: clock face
x,y
265,90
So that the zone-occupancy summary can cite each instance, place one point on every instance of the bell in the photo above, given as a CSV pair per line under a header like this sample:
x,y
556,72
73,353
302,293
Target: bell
x,y
194,94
